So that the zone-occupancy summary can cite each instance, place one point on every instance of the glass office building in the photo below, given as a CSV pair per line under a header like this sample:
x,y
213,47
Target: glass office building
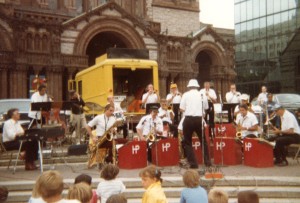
x,y
263,29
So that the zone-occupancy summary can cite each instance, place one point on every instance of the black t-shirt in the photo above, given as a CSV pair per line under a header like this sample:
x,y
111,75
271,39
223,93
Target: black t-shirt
x,y
77,105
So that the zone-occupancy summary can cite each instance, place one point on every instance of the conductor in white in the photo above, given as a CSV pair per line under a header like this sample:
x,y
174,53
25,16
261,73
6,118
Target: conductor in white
x,y
193,105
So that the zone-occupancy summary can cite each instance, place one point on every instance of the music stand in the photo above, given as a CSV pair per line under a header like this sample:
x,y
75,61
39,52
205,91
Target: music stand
x,y
40,106
230,108
150,105
177,115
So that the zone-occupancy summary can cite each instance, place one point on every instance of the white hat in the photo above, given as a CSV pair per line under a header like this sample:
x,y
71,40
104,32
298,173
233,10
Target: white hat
x,y
193,83
244,97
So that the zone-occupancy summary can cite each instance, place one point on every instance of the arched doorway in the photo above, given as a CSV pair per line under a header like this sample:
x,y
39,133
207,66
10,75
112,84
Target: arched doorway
x,y
204,64
101,42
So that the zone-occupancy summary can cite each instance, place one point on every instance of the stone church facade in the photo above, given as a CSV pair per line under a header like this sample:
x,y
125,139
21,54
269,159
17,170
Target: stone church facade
x,y
56,39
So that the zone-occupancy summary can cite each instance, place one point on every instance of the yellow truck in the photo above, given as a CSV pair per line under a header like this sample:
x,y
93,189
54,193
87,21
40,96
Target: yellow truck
x,y
123,73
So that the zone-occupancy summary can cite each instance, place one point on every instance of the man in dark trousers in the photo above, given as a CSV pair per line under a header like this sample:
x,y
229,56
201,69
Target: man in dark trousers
x,y
193,104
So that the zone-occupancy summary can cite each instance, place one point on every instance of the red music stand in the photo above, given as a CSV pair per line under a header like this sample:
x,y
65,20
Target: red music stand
x,y
133,155
258,153
166,151
228,149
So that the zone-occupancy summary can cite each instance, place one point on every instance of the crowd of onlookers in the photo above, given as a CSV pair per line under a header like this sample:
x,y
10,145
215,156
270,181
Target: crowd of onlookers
x,y
49,187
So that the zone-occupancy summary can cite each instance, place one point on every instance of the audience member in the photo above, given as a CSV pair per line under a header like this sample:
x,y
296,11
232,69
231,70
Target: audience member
x,y
248,197
81,191
193,193
83,178
217,196
49,186
3,194
111,185
151,180
120,198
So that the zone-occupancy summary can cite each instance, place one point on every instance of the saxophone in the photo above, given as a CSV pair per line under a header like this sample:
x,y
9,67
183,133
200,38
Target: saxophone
x,y
151,135
238,131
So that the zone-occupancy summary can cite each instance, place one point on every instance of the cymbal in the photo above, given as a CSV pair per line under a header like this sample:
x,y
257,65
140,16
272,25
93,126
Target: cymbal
x,y
127,101
93,106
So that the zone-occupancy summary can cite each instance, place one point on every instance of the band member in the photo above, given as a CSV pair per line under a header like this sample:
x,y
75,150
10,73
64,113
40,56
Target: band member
x,y
167,115
193,105
247,123
151,96
173,99
103,123
232,97
118,113
39,96
150,125
11,130
211,96
262,97
269,106
288,134
77,118
244,99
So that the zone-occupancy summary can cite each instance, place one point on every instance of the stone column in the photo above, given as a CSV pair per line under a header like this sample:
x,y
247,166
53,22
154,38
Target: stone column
x,y
3,82
163,83
54,82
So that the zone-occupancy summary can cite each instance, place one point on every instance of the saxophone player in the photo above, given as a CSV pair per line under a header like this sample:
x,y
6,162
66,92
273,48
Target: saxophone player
x,y
247,123
152,125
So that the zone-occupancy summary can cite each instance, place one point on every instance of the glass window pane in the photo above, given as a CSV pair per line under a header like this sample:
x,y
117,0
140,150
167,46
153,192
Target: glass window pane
x,y
293,3
237,16
262,7
237,29
284,21
277,6
292,20
243,32
270,7
277,24
249,10
250,50
256,8
256,29
249,30
298,17
270,25
243,11
284,5
263,26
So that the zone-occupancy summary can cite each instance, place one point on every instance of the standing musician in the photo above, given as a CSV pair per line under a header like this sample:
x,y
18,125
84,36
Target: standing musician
x,y
173,99
193,105
151,96
167,116
263,96
39,96
150,125
288,134
247,123
11,130
103,123
211,96
118,113
77,117
232,97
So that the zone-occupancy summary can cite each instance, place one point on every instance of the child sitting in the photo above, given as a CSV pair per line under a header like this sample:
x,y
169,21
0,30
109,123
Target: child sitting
x,y
151,180
110,185
83,178
81,191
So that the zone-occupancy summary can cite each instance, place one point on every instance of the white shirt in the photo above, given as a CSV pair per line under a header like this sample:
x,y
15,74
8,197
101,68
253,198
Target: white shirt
x,y
233,98
10,129
248,121
165,114
36,97
289,121
262,98
211,93
147,123
107,188
152,98
102,123
191,103
175,100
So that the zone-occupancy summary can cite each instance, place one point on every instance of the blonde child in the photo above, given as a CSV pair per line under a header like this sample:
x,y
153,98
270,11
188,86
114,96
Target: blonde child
x,y
81,191
217,196
151,181
193,193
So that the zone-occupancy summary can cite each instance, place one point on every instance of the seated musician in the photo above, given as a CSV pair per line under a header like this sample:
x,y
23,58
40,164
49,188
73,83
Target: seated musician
x,y
118,113
247,123
244,98
288,134
39,96
11,130
166,113
150,125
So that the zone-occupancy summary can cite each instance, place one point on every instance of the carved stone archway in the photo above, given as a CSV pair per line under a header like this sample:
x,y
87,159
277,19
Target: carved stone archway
x,y
124,30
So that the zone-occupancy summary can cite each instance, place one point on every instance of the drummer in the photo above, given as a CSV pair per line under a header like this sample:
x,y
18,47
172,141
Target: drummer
x,y
118,113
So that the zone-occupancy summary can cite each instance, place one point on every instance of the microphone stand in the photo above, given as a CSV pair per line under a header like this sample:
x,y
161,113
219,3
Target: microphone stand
x,y
221,124
203,134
